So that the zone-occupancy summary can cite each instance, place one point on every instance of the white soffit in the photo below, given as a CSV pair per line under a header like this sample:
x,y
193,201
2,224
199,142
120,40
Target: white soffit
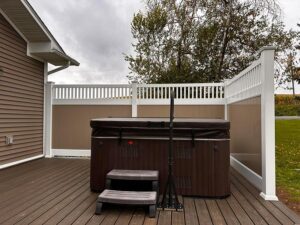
x,y
41,43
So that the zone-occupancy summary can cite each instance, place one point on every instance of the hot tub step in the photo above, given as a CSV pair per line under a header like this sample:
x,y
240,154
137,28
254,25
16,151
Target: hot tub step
x,y
128,198
133,175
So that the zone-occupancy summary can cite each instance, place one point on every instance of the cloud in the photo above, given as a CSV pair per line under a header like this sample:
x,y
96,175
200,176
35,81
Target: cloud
x,y
96,33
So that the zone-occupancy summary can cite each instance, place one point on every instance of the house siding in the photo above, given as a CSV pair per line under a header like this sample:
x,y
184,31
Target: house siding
x,y
21,98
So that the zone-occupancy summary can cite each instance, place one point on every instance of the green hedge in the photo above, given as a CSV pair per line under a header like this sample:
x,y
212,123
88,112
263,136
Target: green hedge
x,y
287,110
287,105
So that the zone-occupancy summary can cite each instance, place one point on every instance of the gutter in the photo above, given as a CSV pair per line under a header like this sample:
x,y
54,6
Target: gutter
x,y
59,69
71,62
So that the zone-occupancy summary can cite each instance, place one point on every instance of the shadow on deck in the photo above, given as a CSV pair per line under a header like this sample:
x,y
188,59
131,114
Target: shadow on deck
x,y
56,191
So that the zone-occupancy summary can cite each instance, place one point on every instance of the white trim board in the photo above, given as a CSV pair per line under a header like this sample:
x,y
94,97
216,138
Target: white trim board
x,y
20,162
268,197
13,25
251,176
245,95
71,152
22,35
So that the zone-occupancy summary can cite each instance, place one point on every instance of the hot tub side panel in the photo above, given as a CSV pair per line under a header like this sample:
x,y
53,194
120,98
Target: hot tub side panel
x,y
201,167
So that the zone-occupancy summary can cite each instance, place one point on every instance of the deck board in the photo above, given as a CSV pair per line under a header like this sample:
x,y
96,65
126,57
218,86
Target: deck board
x,y
202,211
250,210
215,212
227,213
165,218
264,212
34,185
137,218
280,216
239,212
125,216
190,211
56,191
111,217
25,200
36,210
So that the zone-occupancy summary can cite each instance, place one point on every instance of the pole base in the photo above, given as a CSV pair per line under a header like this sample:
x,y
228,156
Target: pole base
x,y
170,205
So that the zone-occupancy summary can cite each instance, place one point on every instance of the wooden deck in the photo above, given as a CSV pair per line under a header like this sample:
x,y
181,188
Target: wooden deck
x,y
56,191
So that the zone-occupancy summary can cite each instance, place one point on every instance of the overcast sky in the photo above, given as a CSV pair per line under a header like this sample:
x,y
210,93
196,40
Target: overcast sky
x,y
97,34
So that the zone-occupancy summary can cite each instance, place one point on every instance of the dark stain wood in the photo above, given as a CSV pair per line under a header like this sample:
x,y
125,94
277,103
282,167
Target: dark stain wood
x,y
252,213
190,211
16,206
268,204
111,217
59,194
239,212
215,212
86,215
203,171
284,209
227,213
202,212
125,216
256,204
165,218
138,217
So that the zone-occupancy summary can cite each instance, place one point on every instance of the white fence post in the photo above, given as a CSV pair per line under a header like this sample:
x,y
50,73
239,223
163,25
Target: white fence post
x,y
225,101
48,120
134,100
268,124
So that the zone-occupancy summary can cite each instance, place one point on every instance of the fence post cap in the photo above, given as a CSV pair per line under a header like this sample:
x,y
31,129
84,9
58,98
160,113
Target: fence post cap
x,y
266,48
50,83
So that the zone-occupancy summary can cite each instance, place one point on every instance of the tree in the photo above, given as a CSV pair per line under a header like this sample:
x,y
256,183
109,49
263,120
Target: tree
x,y
297,76
202,40
291,70
288,70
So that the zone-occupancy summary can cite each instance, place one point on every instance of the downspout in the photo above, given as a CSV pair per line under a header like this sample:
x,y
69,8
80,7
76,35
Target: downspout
x,y
48,110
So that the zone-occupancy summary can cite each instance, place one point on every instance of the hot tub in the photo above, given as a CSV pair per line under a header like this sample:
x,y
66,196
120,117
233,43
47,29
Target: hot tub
x,y
201,152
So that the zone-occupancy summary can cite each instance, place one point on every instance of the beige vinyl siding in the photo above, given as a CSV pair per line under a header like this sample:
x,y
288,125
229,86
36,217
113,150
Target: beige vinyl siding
x,y
72,122
21,98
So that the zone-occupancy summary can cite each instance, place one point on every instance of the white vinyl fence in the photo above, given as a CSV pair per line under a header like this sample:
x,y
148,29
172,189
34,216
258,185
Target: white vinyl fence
x,y
142,94
256,80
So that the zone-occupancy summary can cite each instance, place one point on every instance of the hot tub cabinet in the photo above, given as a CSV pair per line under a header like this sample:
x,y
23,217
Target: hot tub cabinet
x,y
201,152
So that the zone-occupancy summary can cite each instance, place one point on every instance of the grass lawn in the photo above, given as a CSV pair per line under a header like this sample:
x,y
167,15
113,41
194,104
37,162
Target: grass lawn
x,y
288,161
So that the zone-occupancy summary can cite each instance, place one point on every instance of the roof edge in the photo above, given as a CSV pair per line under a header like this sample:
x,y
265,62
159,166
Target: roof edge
x,y
72,61
40,22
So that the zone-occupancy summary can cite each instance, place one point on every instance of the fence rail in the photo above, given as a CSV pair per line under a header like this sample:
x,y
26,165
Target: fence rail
x,y
209,93
91,92
246,84
182,91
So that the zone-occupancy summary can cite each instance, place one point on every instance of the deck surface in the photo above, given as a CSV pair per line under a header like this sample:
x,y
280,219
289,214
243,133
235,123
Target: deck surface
x,y
56,191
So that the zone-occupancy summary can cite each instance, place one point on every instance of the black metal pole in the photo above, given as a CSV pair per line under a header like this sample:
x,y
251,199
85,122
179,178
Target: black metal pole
x,y
170,202
171,159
